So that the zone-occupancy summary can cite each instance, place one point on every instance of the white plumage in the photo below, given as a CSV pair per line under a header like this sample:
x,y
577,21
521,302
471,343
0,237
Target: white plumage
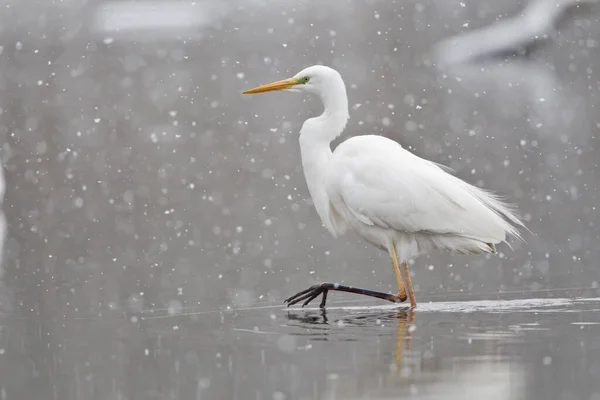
x,y
394,199
373,182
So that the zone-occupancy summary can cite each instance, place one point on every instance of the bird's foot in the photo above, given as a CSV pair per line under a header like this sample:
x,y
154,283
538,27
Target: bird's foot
x,y
310,294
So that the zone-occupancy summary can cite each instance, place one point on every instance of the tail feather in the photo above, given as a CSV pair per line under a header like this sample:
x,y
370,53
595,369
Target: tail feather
x,y
508,213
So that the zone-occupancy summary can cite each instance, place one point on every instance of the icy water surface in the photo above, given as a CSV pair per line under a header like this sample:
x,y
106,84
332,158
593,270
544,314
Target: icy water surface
x,y
516,349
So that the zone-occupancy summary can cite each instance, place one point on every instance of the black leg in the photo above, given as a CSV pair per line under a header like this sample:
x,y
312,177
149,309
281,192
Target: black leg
x,y
314,291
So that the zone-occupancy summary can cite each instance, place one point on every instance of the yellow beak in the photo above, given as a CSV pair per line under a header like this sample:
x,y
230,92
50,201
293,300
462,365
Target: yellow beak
x,y
279,85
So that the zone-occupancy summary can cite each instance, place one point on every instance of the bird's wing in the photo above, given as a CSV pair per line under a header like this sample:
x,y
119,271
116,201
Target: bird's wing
x,y
381,184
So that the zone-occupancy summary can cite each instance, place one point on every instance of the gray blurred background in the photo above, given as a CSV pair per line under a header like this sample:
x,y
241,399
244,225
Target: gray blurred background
x,y
139,178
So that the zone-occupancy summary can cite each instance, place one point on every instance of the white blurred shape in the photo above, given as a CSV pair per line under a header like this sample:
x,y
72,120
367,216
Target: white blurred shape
x,y
155,18
536,21
2,218
6,303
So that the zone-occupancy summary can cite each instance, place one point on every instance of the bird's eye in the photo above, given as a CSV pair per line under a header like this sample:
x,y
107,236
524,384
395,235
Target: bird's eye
x,y
305,79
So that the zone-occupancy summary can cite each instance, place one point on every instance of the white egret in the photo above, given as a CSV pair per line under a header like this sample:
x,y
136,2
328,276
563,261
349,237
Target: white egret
x,y
395,200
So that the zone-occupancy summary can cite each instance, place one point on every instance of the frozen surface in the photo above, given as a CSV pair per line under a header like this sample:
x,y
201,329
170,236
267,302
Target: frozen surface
x,y
503,349
491,306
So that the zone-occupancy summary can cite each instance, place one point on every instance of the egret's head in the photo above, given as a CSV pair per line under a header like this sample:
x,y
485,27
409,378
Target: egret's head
x,y
317,79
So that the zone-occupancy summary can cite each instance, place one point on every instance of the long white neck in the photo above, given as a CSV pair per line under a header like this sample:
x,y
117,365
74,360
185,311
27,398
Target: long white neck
x,y
316,136
329,125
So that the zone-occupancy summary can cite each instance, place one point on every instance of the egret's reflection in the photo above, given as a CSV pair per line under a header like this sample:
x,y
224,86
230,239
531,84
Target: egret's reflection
x,y
309,317
403,335
324,325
